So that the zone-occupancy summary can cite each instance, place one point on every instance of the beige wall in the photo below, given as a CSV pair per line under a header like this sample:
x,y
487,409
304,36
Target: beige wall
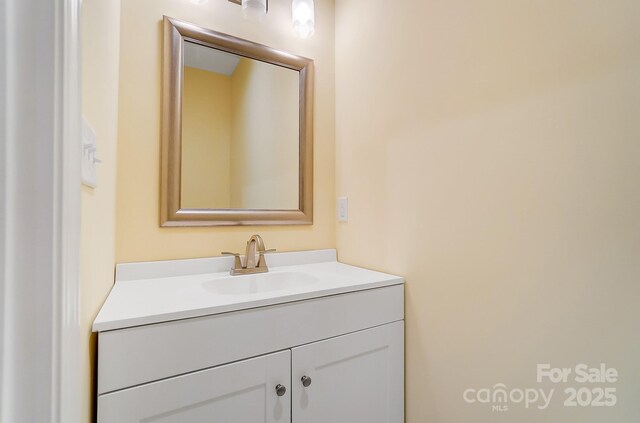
x,y
500,175
138,235
206,140
100,55
265,135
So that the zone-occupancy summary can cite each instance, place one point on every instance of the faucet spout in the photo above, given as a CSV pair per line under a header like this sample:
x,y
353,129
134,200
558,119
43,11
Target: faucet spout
x,y
250,266
255,244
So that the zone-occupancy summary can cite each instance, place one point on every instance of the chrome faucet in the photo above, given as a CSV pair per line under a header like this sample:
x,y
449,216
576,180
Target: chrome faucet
x,y
254,245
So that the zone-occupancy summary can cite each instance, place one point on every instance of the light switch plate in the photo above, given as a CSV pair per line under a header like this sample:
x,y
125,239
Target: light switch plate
x,y
89,158
343,209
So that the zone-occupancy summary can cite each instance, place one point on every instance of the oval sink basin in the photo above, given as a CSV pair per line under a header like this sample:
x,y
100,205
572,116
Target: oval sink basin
x,y
259,283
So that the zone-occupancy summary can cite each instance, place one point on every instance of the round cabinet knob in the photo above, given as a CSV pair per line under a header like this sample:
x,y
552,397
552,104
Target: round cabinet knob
x,y
281,390
306,381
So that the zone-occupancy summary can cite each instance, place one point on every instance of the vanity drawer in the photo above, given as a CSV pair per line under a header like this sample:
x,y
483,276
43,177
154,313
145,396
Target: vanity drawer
x,y
137,355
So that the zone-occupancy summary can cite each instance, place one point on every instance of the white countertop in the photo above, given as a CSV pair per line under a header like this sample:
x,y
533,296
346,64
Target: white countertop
x,y
154,292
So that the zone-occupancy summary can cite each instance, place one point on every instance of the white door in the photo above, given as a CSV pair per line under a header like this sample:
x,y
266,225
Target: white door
x,y
242,392
354,378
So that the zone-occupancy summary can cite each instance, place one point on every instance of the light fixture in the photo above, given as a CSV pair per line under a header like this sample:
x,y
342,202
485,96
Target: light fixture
x,y
254,10
302,14
303,17
199,2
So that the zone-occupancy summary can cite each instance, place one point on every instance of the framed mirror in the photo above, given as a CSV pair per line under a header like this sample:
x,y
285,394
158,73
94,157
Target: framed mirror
x,y
237,131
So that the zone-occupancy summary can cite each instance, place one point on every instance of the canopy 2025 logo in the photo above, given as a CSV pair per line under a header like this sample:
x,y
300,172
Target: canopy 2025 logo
x,y
581,393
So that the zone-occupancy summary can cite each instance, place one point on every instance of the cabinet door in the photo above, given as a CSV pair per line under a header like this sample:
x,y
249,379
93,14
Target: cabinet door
x,y
351,379
242,392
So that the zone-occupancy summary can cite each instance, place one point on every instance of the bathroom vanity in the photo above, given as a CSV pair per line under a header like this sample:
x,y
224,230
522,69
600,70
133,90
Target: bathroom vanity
x,y
313,340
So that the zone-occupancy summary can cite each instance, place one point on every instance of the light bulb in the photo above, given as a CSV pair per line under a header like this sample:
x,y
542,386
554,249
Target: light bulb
x,y
254,10
303,17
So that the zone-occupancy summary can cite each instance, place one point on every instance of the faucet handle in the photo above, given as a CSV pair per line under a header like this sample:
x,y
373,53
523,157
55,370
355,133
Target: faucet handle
x,y
270,250
238,262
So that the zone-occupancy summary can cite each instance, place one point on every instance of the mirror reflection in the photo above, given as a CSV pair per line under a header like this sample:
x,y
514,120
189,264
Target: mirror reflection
x,y
240,132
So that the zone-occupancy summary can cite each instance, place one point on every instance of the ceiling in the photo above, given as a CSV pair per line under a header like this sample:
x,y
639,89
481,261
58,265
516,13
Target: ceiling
x,y
209,59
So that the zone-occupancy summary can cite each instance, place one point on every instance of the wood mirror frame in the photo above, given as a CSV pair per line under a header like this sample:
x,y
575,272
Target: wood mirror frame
x,y
171,214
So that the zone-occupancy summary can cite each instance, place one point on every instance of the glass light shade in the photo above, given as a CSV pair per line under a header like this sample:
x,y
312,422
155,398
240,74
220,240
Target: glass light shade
x,y
199,2
303,16
254,10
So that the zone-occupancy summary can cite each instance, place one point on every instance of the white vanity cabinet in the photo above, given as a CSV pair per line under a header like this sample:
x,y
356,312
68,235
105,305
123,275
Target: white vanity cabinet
x,y
325,355
351,378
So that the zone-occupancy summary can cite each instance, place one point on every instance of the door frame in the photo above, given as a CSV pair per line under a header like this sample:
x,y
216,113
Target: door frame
x,y
40,152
